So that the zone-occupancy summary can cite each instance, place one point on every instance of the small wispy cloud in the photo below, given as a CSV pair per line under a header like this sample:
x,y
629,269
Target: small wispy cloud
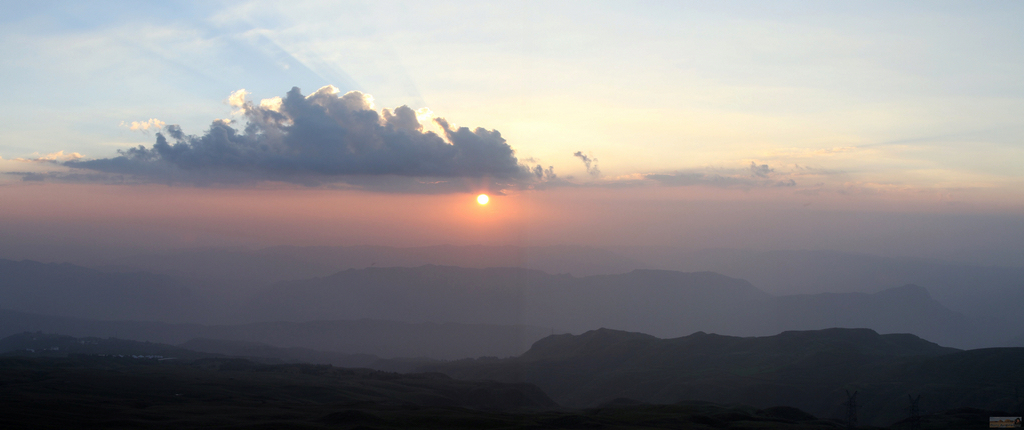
x,y
144,126
803,170
802,153
590,162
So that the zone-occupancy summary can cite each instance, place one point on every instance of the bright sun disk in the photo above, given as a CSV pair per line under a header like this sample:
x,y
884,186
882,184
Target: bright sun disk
x,y
482,199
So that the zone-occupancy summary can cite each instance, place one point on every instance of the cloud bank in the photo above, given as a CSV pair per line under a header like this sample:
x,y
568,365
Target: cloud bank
x,y
340,140
324,138
757,175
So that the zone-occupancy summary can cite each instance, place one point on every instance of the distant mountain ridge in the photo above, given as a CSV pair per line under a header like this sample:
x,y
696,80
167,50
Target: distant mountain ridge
x,y
989,295
981,292
906,309
663,303
280,263
68,290
659,302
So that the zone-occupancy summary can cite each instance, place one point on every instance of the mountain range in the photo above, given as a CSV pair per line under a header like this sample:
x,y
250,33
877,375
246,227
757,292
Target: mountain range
x,y
662,303
516,305
989,295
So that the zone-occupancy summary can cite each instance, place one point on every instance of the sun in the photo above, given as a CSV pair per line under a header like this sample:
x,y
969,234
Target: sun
x,y
483,199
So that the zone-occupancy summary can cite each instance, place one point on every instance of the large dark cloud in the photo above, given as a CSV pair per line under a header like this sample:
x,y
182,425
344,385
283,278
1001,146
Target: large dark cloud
x,y
326,138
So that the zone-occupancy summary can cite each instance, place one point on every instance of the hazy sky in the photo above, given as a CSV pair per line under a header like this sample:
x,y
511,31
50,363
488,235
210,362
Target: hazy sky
x,y
881,127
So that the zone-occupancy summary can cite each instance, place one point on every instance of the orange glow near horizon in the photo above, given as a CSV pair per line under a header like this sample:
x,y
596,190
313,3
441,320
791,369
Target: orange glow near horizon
x,y
184,216
158,216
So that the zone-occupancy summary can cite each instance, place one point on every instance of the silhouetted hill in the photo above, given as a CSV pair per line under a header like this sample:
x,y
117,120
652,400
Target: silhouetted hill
x,y
73,291
602,342
614,343
281,263
809,370
386,339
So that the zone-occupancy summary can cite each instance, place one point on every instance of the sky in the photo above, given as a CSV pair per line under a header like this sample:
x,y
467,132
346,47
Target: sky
x,y
890,128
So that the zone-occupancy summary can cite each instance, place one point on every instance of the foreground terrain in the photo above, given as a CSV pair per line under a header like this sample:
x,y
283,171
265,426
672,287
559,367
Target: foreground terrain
x,y
82,391
144,393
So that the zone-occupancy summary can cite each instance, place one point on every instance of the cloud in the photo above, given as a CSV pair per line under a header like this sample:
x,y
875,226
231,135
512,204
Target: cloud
x,y
754,176
53,157
326,138
237,98
144,126
803,170
67,177
592,170
543,174
696,178
272,104
811,152
762,171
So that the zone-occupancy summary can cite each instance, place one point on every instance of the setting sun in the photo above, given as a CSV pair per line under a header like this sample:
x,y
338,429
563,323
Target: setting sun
x,y
483,199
